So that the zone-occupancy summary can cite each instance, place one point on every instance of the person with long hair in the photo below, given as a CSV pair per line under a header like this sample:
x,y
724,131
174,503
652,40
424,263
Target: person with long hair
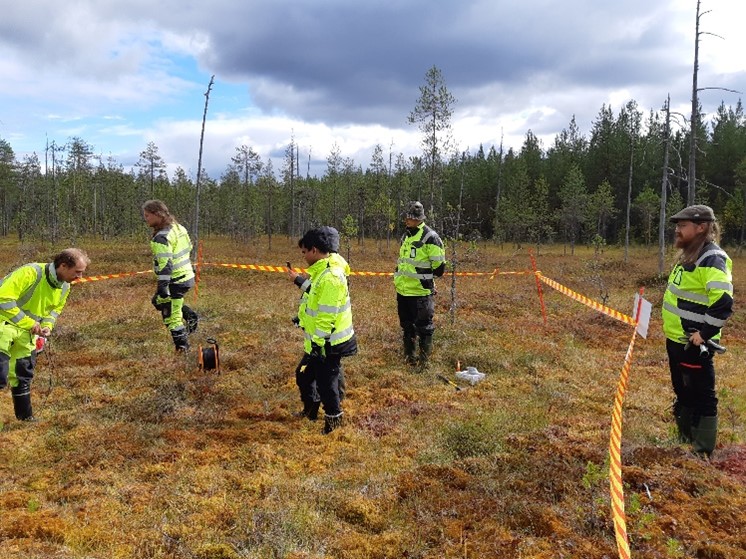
x,y
171,248
697,302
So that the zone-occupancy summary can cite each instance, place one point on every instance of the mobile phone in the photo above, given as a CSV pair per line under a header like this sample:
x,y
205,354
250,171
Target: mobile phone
x,y
289,266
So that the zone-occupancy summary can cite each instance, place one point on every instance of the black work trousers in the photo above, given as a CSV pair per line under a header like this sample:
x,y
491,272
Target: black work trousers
x,y
318,380
693,378
416,314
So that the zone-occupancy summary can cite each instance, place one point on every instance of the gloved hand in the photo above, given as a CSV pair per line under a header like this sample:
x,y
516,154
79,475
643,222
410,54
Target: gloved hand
x,y
296,321
163,291
317,352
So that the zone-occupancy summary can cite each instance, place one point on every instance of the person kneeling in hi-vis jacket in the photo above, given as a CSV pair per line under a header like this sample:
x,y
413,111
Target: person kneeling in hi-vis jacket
x,y
325,315
171,247
696,304
31,299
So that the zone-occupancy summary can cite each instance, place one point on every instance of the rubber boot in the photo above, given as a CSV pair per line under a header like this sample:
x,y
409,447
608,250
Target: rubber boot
x,y
704,435
683,417
22,403
426,348
331,422
310,411
191,318
409,347
181,343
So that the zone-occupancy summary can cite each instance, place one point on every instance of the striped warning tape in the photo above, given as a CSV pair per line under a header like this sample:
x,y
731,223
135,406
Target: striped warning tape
x,y
615,458
110,276
266,268
260,267
608,311
371,273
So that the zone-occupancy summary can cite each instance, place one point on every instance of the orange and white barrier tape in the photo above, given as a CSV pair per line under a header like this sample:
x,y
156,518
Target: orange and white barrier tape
x,y
260,267
608,311
615,458
268,268
110,276
371,273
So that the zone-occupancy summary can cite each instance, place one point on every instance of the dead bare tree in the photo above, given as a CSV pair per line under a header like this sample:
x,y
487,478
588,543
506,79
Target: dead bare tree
x,y
694,121
195,235
664,187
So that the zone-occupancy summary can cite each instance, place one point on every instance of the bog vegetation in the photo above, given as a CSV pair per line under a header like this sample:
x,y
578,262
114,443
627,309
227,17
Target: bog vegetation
x,y
138,454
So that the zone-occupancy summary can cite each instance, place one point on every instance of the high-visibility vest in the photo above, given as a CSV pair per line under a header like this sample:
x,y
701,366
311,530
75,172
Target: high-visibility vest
x,y
420,254
326,313
699,296
32,293
171,248
335,260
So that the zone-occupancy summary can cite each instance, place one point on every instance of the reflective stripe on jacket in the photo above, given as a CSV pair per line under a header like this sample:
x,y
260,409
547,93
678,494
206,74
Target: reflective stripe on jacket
x,y
32,293
325,313
171,248
420,259
699,296
336,260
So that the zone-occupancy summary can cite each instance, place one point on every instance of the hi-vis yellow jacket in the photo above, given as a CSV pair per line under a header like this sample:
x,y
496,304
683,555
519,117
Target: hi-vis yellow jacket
x,y
32,293
421,258
325,314
699,296
171,247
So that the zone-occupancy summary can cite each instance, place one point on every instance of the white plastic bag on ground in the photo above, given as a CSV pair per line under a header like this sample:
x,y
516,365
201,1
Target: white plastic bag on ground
x,y
471,375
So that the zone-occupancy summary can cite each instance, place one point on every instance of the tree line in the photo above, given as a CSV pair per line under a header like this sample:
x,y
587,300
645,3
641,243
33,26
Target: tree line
x,y
606,187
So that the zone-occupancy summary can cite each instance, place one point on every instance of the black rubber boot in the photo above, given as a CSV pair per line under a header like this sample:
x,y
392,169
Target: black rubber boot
x,y
22,403
426,348
409,347
704,435
310,411
683,417
331,422
191,318
181,343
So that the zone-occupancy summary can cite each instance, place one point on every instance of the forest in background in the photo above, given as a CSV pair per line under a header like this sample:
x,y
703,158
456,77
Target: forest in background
x,y
595,189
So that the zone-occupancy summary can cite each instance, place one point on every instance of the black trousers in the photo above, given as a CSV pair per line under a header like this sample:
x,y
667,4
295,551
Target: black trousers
x,y
416,314
693,378
318,380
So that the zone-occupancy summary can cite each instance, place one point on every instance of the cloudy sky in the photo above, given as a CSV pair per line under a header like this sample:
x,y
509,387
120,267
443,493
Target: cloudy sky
x,y
120,74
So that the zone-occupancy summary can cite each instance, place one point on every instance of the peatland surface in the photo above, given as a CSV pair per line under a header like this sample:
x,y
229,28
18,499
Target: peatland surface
x,y
138,454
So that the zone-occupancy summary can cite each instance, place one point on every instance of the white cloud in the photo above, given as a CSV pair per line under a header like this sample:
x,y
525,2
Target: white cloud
x,y
330,72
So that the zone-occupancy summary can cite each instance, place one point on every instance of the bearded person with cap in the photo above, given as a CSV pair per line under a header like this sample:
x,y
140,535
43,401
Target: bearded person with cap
x,y
325,315
696,304
421,260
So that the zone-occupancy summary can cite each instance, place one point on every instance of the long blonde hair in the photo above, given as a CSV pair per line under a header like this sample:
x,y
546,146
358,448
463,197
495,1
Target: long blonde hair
x,y
711,234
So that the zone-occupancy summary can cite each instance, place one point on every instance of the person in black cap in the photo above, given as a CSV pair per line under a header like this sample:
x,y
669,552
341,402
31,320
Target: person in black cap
x,y
303,282
325,315
696,304
421,260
